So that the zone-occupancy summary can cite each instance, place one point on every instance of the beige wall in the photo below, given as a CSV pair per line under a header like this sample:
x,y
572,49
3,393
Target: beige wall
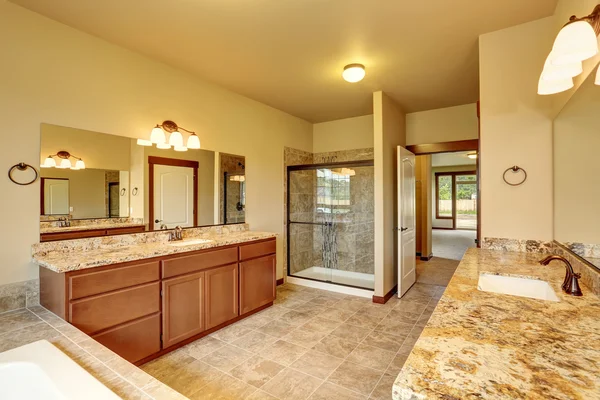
x,y
516,129
61,76
389,132
206,174
442,125
576,168
98,150
86,190
343,134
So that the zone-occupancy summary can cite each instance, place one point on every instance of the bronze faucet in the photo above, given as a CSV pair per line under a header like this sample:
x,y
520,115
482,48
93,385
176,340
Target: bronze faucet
x,y
571,282
176,234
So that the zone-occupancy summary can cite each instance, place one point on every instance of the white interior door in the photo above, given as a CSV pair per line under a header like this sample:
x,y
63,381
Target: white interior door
x,y
173,196
407,260
56,196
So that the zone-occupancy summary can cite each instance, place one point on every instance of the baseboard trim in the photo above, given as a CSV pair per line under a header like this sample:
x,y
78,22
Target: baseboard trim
x,y
279,282
388,295
427,258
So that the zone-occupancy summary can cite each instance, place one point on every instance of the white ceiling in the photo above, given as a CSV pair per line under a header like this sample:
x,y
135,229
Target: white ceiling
x,y
289,54
452,159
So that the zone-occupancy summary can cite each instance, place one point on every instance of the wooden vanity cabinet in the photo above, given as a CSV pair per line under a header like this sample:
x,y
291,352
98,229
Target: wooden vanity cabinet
x,y
146,308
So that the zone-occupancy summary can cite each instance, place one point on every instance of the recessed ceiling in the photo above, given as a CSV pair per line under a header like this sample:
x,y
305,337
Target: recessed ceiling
x,y
290,54
452,159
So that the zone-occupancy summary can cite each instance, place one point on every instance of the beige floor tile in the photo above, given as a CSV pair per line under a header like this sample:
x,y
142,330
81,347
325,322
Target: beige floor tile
x,y
372,357
394,327
375,309
276,328
292,385
321,325
336,314
167,364
17,320
404,317
305,337
202,347
160,391
254,342
295,318
257,371
324,301
273,312
283,352
125,390
97,350
336,346
349,305
329,391
130,372
288,302
397,364
224,387
255,321
227,357
310,309
416,297
423,320
351,332
385,341
383,390
355,377
192,377
26,335
364,320
261,395
231,333
410,306
317,364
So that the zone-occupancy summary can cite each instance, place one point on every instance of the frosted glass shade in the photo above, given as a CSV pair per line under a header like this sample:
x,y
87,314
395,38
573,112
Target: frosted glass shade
x,y
176,139
144,142
65,163
552,87
193,142
80,164
180,148
575,42
597,81
163,146
158,136
49,163
353,73
553,72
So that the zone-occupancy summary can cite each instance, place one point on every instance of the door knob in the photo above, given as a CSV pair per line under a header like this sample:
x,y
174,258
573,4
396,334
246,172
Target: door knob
x,y
403,229
158,220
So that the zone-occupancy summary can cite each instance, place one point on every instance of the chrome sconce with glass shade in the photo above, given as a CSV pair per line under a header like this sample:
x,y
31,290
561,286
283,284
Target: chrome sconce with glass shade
x,y
158,137
65,161
576,42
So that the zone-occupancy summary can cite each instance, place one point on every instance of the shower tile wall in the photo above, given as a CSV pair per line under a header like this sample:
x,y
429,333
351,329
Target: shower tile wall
x,y
230,164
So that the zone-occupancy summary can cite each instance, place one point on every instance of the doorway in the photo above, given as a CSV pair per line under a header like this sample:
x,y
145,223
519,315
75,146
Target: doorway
x,y
173,193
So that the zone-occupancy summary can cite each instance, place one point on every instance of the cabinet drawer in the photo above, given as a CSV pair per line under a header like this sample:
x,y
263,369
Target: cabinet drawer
x,y
258,249
134,340
198,262
107,310
91,283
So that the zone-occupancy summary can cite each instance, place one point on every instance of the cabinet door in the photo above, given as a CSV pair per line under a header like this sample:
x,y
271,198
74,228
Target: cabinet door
x,y
183,308
257,283
221,295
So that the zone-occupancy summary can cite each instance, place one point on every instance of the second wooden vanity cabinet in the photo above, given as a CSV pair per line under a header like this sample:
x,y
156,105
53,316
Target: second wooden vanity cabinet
x,y
145,308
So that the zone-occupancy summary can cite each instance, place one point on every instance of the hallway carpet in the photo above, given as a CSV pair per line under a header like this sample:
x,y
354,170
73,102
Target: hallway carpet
x,y
452,244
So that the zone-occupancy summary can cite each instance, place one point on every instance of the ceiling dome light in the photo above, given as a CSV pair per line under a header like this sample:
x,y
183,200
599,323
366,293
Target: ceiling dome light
x,y
80,164
163,146
176,139
65,163
144,142
158,135
49,163
576,41
553,87
553,72
193,142
354,73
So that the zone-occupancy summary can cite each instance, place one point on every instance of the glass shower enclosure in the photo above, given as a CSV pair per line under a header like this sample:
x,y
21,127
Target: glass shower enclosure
x,y
330,214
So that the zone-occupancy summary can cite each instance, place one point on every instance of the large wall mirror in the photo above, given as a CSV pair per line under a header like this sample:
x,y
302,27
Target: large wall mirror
x,y
577,173
96,184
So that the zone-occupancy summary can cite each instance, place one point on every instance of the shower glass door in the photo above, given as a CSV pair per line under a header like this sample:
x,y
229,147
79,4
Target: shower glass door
x,y
330,223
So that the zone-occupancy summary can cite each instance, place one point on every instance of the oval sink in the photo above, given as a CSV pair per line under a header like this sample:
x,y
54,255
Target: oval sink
x,y
532,288
189,242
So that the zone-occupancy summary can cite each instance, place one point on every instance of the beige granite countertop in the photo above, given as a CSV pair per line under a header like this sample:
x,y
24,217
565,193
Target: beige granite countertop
x,y
24,326
480,345
63,261
76,228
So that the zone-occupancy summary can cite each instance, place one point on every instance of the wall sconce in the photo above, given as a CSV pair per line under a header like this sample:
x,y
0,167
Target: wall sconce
x,y
577,41
65,161
158,136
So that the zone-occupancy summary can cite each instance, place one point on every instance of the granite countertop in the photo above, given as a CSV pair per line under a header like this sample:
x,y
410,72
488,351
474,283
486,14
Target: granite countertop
x,y
75,228
486,345
63,261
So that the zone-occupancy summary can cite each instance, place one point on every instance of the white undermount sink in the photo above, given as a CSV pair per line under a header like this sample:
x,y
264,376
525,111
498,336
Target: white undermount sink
x,y
189,242
531,288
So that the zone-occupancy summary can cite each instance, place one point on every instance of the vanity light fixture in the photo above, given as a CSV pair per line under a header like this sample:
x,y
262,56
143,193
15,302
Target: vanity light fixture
x,y
158,136
237,178
354,73
65,161
577,41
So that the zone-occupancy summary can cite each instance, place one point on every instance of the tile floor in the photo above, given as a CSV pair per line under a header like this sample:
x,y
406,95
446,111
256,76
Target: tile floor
x,y
312,344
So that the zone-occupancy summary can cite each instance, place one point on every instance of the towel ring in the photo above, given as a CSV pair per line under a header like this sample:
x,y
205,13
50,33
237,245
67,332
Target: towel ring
x,y
22,167
515,169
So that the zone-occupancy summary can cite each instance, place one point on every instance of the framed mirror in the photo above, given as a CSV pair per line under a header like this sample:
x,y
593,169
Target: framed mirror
x,y
577,173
